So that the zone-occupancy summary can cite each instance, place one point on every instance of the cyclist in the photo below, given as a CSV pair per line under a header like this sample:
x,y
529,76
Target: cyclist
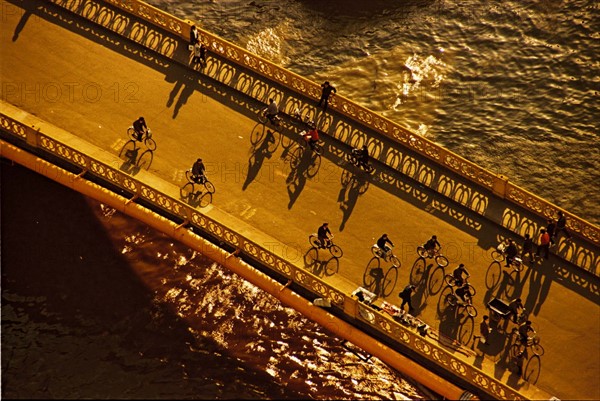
x,y
312,136
516,306
431,245
140,128
458,274
272,111
198,171
383,242
524,330
511,252
324,235
463,293
362,155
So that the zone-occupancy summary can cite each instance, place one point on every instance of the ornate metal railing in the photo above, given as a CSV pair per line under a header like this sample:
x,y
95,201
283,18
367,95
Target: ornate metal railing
x,y
499,184
383,323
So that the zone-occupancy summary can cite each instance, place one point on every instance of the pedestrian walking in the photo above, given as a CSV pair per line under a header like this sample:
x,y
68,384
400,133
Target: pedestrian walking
x,y
199,54
561,226
550,227
405,296
326,91
544,244
194,36
528,248
484,330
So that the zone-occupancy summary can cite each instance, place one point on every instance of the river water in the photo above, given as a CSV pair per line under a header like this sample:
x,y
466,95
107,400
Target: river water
x,y
97,305
513,86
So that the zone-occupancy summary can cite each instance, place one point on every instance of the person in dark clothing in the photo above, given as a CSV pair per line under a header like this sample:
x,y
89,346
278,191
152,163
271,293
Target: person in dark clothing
x,y
140,128
194,35
550,230
405,296
511,252
484,330
458,274
325,93
561,226
463,293
383,242
198,171
199,54
324,235
528,248
431,245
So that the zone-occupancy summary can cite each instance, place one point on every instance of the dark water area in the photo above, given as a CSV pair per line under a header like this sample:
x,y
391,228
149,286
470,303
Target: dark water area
x,y
98,305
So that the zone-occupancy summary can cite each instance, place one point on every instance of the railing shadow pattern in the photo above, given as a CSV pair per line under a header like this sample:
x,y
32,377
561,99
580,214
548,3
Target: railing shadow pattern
x,y
190,216
390,155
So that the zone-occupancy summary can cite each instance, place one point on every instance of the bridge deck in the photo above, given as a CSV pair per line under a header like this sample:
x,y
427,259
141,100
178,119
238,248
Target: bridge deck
x,y
93,83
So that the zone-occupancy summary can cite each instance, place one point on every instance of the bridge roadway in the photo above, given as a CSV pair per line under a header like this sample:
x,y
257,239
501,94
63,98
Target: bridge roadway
x,y
93,83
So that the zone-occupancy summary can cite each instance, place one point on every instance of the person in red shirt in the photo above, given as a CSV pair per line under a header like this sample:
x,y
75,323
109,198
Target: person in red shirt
x,y
544,244
312,136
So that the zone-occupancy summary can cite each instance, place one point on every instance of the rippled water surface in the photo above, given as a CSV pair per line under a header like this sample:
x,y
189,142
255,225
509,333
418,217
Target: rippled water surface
x,y
97,305
511,85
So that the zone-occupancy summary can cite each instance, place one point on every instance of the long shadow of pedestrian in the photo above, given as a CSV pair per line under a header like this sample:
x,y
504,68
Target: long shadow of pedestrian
x,y
21,25
182,78
265,149
297,177
353,185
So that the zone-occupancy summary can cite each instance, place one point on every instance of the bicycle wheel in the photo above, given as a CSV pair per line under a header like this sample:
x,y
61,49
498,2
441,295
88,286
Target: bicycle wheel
x,y
395,261
451,299
150,143
517,265
296,156
471,310
262,116
336,251
441,260
210,188
471,290
497,256
369,168
537,348
376,251
389,281
422,251
130,132
188,175
314,240
187,191
449,279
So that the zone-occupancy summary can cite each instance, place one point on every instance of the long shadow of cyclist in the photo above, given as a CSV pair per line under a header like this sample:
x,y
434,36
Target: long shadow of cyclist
x,y
265,149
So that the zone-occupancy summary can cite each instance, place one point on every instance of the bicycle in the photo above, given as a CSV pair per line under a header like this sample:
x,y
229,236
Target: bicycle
x,y
499,255
436,254
519,347
387,256
263,118
335,250
453,300
146,138
374,277
353,159
189,188
451,282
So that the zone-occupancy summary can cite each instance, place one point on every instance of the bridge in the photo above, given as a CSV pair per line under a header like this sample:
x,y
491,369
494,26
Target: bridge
x,y
75,74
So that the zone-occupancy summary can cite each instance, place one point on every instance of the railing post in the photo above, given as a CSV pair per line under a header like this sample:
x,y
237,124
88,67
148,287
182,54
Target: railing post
x,y
32,135
499,187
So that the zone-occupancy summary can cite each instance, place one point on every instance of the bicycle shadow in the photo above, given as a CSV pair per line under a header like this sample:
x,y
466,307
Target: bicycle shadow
x,y
133,161
373,276
197,198
321,267
262,149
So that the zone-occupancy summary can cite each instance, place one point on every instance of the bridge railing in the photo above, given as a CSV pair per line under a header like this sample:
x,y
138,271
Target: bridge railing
x,y
499,184
383,323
